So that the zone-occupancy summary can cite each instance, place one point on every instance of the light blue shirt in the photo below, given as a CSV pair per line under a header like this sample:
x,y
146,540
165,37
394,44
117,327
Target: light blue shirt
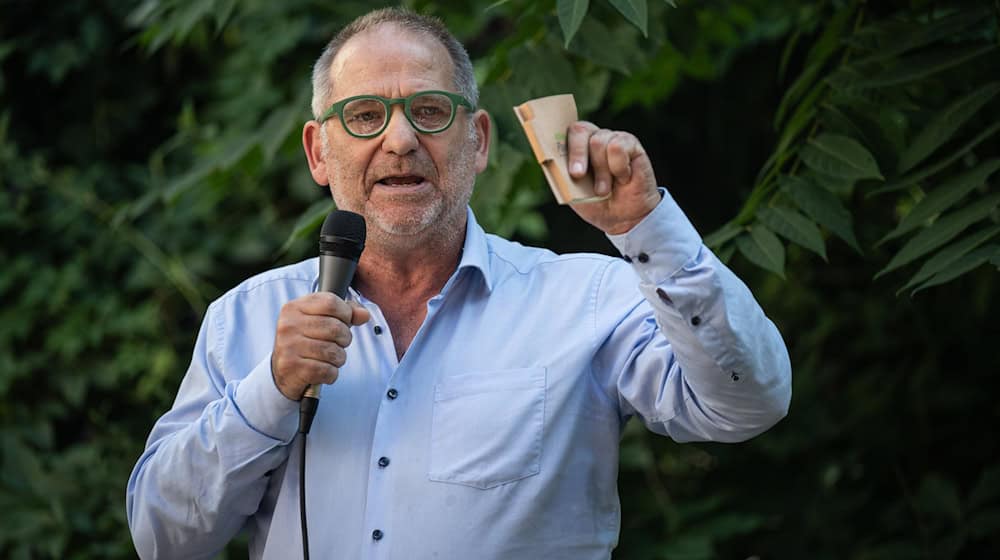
x,y
500,426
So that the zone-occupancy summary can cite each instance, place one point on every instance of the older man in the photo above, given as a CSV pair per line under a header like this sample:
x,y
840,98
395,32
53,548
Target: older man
x,y
479,387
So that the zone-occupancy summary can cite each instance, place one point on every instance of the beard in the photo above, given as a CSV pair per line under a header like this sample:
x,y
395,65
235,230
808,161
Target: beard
x,y
404,220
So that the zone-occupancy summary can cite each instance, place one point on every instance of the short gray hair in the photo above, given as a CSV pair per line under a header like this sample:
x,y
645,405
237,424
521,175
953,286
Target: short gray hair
x,y
465,79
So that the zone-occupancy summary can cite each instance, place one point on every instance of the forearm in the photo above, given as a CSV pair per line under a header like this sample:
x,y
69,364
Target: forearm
x,y
724,374
206,466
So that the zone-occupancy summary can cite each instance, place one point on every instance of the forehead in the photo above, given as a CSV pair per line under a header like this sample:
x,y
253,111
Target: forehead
x,y
390,61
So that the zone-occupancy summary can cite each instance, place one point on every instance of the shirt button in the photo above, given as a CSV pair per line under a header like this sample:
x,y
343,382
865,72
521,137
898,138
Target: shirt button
x,y
383,462
696,320
627,258
643,258
663,296
378,329
377,535
392,394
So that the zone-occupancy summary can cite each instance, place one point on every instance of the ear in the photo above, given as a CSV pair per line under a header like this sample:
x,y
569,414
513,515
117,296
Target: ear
x,y
481,120
312,143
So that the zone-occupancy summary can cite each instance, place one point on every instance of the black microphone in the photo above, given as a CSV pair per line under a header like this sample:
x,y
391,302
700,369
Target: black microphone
x,y
341,241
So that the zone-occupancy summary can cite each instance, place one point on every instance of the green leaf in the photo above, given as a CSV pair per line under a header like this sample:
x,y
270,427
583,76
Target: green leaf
x,y
634,11
544,69
793,226
276,129
839,156
893,38
950,255
941,232
671,3
938,496
945,124
763,248
921,66
308,222
594,41
822,206
926,172
963,265
571,13
723,234
943,197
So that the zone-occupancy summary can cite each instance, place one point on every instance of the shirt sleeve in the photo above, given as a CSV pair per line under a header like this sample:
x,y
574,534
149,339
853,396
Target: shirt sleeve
x,y
695,357
207,461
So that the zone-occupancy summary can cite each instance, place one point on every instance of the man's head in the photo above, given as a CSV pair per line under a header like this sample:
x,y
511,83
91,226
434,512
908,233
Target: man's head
x,y
412,187
464,78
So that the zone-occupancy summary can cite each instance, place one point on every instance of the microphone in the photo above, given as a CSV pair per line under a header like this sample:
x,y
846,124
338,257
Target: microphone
x,y
341,240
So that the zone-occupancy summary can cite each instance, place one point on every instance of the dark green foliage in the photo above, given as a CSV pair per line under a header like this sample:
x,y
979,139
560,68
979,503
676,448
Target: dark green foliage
x,y
150,159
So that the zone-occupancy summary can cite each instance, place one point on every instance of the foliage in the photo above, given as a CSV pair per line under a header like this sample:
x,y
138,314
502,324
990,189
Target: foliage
x,y
150,159
908,94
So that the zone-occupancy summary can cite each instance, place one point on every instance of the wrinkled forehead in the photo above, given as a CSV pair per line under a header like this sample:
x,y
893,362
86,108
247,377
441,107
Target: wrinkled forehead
x,y
390,59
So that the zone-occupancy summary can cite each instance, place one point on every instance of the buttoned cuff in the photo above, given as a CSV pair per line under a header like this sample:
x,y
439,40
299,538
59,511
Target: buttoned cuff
x,y
661,244
263,406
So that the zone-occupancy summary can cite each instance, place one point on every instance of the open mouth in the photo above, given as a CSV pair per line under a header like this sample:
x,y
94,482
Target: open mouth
x,y
401,180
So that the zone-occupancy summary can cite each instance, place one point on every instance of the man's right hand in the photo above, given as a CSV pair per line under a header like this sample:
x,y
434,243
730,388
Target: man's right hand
x,y
309,344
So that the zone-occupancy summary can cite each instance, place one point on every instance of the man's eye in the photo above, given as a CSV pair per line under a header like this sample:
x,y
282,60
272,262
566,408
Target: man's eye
x,y
428,111
367,116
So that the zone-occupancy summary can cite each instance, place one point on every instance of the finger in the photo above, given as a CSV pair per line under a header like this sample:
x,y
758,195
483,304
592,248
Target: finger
x,y
314,372
599,161
325,303
321,327
578,147
621,149
360,315
322,351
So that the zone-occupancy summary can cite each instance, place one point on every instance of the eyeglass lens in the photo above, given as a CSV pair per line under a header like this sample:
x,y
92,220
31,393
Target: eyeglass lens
x,y
430,112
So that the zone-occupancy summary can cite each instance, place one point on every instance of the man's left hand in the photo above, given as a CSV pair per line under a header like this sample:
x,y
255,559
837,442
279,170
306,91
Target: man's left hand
x,y
621,167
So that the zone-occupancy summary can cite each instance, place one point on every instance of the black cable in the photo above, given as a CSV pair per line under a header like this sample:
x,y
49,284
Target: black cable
x,y
302,499
307,411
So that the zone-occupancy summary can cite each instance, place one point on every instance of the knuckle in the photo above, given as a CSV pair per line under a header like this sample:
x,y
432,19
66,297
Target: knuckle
x,y
338,357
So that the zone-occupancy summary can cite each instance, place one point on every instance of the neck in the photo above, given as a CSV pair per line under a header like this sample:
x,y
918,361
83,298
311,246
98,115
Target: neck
x,y
390,272
401,283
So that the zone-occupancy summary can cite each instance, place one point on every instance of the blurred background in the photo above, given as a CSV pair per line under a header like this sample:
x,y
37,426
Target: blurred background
x,y
840,155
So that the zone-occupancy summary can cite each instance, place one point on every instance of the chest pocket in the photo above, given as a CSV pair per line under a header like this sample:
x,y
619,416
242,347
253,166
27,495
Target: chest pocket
x,y
487,427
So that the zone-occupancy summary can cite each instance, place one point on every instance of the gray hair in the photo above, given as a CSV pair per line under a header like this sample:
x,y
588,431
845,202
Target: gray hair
x,y
465,79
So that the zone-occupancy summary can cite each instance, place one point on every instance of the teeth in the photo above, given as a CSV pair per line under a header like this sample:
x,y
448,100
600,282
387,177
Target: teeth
x,y
408,180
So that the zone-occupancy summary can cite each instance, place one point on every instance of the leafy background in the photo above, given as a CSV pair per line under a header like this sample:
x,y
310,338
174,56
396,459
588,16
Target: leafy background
x,y
841,155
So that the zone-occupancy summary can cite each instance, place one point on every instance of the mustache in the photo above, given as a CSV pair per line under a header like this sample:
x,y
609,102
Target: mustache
x,y
397,167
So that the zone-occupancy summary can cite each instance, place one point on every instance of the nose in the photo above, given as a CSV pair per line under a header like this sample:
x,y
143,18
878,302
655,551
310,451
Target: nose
x,y
399,136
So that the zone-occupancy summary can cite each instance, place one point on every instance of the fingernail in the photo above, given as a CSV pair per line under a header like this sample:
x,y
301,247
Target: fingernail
x,y
601,188
577,168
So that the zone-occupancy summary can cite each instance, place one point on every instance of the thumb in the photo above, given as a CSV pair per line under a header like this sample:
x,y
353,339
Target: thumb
x,y
359,314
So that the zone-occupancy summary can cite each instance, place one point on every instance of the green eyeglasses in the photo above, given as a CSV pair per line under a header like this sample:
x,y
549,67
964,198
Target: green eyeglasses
x,y
365,116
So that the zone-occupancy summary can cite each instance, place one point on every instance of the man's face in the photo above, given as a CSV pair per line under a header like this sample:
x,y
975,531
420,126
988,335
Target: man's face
x,y
410,187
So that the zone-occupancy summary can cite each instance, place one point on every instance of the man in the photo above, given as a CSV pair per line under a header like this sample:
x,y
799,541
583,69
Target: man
x,y
479,387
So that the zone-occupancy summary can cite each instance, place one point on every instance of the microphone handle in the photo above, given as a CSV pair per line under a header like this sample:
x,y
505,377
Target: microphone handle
x,y
335,275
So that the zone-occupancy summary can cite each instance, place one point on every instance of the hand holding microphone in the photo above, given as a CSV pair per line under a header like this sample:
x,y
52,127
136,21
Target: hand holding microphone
x,y
314,330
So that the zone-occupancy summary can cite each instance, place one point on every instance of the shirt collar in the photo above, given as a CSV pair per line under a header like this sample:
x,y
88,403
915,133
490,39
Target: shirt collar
x,y
475,251
475,256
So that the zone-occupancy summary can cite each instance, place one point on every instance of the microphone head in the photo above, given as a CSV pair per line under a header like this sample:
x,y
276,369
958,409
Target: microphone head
x,y
342,235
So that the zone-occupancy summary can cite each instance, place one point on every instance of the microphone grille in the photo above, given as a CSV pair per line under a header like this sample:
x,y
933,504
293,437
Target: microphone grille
x,y
345,226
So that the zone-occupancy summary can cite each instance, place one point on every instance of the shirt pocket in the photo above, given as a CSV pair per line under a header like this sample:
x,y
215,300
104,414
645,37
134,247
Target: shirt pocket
x,y
487,427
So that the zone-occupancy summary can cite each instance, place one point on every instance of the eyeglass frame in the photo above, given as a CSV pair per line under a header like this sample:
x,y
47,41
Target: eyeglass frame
x,y
338,109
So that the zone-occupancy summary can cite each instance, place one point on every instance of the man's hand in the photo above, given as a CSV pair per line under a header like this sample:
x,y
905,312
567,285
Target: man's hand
x,y
309,344
621,167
